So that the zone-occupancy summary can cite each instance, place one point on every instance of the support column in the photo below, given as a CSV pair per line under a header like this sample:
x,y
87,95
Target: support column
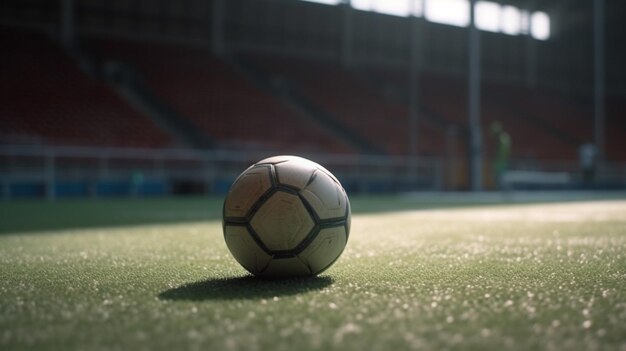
x,y
598,78
67,22
531,62
474,74
531,50
414,88
346,34
217,27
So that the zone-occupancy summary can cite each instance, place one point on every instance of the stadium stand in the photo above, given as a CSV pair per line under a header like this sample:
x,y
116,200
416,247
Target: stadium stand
x,y
446,97
564,118
531,137
565,114
544,125
616,128
46,99
200,83
220,101
353,102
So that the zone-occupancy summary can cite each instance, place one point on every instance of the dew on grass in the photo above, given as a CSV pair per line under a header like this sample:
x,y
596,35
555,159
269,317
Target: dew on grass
x,y
344,330
437,261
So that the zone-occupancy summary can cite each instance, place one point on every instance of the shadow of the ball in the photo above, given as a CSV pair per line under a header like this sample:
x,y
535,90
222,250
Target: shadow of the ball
x,y
246,287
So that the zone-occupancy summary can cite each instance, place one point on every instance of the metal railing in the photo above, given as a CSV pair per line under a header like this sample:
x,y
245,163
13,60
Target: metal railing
x,y
57,171
64,171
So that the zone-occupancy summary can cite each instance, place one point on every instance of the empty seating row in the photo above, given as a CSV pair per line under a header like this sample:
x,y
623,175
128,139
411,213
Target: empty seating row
x,y
45,97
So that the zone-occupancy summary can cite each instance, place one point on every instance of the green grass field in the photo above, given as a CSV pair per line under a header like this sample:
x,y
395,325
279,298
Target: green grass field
x,y
156,275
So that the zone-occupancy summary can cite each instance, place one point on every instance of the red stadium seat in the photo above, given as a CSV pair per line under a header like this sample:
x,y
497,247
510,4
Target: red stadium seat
x,y
355,103
220,101
46,98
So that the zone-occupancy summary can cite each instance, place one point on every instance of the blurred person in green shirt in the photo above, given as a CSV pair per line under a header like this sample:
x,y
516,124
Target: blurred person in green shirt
x,y
503,152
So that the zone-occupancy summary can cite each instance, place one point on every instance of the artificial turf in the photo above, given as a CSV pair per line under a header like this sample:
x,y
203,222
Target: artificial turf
x,y
156,274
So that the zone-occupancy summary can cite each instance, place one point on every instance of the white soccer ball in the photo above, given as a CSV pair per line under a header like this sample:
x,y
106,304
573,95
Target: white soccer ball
x,y
286,216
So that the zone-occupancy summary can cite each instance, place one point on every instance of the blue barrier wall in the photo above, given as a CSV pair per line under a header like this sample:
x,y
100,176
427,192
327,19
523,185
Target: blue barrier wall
x,y
71,189
27,190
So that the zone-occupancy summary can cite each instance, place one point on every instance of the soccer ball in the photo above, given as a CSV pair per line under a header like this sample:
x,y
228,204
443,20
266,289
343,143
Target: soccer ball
x,y
286,216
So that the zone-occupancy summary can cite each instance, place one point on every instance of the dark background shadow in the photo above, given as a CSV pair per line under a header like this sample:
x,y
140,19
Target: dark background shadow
x,y
247,287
